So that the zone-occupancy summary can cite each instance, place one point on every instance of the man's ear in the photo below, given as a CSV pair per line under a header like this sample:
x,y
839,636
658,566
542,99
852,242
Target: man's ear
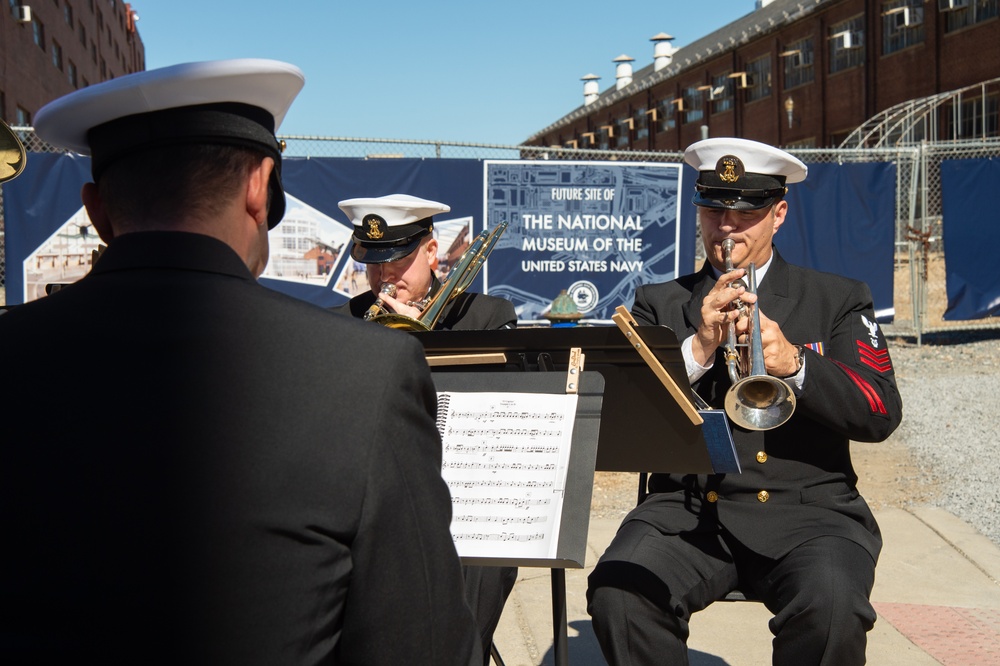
x,y
780,210
94,204
257,190
431,248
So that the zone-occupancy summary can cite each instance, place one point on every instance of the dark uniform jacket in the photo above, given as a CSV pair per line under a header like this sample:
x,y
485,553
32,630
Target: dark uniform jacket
x,y
195,469
466,312
797,480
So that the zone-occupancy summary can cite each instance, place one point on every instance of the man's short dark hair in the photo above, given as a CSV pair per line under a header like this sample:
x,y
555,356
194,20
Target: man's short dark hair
x,y
166,184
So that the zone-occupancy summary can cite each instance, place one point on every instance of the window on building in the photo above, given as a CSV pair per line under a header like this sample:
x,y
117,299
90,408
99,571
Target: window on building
x,y
104,69
93,51
640,120
22,117
14,7
847,49
758,81
694,110
57,55
68,14
797,62
976,118
623,131
902,24
604,135
3,105
83,36
721,93
961,13
71,74
38,32
666,114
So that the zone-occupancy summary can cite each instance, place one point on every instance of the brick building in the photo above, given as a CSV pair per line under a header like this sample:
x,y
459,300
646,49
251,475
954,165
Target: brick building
x,y
49,48
798,73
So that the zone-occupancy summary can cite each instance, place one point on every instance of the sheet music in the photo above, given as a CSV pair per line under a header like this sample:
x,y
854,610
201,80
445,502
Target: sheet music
x,y
505,461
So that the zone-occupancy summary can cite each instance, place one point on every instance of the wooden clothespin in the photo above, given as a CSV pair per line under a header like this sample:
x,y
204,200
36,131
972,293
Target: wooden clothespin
x,y
576,358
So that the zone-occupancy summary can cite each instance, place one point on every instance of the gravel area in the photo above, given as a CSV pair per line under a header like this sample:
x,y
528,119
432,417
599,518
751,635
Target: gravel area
x,y
945,452
951,399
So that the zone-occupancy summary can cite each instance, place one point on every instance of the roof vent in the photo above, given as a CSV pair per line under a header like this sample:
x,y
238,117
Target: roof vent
x,y
591,91
663,51
623,72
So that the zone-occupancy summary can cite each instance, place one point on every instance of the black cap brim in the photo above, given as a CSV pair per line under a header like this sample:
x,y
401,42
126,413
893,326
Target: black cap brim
x,y
732,200
371,254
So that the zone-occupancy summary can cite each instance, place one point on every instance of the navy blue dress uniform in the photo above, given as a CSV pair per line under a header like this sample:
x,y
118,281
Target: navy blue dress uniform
x,y
392,236
195,469
792,529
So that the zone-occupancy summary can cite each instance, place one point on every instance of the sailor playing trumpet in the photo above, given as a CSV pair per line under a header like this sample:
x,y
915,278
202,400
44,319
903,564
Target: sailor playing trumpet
x,y
792,528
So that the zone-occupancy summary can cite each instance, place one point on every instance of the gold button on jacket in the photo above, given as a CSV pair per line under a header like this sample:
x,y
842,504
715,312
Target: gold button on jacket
x,y
763,496
712,496
761,457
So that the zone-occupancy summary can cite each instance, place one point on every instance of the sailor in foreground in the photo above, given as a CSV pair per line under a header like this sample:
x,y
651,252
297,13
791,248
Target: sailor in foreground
x,y
393,238
197,469
792,529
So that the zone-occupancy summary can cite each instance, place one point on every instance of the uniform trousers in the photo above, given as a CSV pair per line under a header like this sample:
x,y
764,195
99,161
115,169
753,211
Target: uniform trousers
x,y
486,592
645,587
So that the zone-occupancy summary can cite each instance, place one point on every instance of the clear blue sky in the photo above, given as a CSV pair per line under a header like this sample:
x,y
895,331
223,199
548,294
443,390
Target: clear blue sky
x,y
451,70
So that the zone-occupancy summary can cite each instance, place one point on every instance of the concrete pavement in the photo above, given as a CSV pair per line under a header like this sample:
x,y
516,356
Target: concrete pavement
x,y
937,593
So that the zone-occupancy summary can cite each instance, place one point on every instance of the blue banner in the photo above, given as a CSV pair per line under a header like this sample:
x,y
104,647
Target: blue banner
x,y
595,229
842,219
971,237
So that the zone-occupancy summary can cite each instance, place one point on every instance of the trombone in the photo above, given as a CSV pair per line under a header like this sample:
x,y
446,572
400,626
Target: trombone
x,y
458,280
756,400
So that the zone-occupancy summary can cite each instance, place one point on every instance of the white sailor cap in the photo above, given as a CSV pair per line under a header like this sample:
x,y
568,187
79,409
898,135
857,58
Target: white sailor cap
x,y
232,102
741,174
389,228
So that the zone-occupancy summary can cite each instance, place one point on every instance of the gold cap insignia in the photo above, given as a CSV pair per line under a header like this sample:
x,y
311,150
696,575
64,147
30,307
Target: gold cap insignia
x,y
375,224
729,168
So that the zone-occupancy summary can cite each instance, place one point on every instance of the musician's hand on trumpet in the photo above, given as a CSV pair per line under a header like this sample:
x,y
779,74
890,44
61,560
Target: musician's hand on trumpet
x,y
718,312
781,357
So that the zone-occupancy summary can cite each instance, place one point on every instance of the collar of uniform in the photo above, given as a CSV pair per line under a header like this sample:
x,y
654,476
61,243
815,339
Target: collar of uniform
x,y
175,250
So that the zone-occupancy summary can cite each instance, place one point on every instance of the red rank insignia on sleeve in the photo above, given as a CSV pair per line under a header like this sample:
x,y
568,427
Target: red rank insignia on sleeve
x,y
877,359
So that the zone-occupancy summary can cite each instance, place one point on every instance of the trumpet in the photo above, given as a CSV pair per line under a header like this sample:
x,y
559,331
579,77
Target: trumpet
x,y
376,307
459,278
756,400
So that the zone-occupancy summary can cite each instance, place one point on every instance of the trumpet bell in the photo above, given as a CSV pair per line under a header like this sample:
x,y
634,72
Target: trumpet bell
x,y
760,402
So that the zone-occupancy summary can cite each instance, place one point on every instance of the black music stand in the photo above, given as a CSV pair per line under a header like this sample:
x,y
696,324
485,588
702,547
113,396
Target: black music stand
x,y
643,426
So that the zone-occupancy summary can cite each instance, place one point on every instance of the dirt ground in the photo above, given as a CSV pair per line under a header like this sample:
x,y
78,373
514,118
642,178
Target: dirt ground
x,y
883,469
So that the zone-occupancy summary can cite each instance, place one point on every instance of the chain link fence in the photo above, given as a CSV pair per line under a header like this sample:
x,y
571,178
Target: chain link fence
x,y
920,298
